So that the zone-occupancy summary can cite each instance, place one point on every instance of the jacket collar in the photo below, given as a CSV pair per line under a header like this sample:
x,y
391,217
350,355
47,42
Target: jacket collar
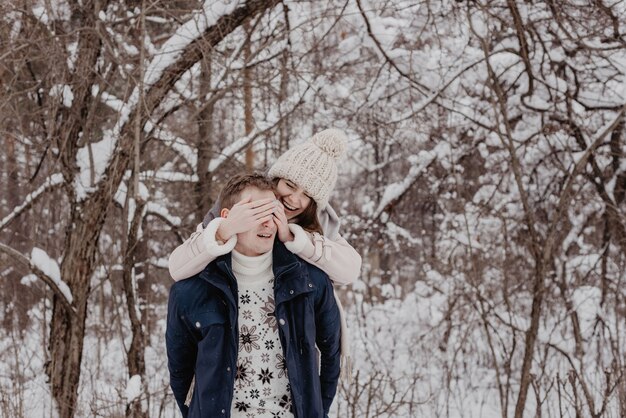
x,y
290,273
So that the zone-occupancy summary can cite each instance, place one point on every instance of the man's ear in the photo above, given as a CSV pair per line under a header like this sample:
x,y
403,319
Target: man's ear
x,y
224,213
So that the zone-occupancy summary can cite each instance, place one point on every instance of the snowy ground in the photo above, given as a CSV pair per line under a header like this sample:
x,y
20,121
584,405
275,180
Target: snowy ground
x,y
401,368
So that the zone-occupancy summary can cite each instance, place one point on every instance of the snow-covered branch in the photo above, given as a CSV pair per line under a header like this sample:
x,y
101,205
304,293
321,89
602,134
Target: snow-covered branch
x,y
51,183
420,163
177,144
46,269
179,53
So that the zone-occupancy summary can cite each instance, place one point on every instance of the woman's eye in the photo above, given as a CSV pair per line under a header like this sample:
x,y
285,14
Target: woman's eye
x,y
291,186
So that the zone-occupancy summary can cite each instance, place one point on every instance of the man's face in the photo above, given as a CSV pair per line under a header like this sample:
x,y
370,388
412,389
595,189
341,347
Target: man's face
x,y
260,239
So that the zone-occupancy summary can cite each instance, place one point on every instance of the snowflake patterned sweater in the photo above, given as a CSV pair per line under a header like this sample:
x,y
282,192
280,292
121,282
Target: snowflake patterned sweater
x,y
261,384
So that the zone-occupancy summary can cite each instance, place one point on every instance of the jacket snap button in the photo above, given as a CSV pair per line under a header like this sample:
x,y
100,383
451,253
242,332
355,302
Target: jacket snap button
x,y
197,324
223,411
291,292
228,369
281,321
310,285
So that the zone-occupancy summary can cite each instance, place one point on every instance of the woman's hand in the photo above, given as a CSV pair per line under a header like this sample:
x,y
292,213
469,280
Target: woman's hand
x,y
245,215
280,219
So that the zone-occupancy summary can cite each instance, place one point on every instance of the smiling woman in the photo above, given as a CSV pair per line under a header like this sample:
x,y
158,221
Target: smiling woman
x,y
293,198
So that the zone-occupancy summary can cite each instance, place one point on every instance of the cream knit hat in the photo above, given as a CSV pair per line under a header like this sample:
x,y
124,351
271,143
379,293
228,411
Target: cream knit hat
x,y
312,165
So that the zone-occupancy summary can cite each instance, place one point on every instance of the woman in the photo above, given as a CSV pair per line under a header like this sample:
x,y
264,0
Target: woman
x,y
304,177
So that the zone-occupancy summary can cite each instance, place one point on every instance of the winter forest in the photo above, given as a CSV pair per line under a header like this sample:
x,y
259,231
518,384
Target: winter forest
x,y
484,187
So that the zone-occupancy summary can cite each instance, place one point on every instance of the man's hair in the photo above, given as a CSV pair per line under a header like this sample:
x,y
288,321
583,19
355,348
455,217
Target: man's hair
x,y
231,193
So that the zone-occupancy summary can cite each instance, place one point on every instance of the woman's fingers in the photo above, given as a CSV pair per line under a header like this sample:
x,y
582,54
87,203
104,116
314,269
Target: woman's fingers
x,y
280,213
267,210
254,204
263,219
277,219
243,201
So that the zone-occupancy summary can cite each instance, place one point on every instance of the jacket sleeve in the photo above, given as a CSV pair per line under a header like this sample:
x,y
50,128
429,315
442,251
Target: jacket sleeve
x,y
328,341
192,256
336,258
181,353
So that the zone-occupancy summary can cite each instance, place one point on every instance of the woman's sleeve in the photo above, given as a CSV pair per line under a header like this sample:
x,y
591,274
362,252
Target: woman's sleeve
x,y
193,255
336,257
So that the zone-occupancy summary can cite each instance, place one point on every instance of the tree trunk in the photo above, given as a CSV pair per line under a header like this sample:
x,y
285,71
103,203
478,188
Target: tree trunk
x,y
87,218
66,331
247,100
205,143
283,132
135,353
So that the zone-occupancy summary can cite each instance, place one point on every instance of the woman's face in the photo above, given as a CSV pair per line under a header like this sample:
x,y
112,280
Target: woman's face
x,y
292,197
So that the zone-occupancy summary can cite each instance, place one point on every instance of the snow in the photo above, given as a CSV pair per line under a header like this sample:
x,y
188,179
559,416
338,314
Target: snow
x,y
72,54
43,262
64,92
17,25
478,24
230,150
426,334
177,144
166,56
586,301
156,19
394,231
41,14
101,152
169,176
133,388
537,102
51,181
164,212
40,259
420,162
187,33
28,279
53,10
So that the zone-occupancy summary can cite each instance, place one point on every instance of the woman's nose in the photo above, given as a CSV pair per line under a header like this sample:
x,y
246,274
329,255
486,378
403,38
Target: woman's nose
x,y
298,194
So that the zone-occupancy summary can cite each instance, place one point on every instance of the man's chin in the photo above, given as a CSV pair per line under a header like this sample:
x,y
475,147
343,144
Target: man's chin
x,y
265,244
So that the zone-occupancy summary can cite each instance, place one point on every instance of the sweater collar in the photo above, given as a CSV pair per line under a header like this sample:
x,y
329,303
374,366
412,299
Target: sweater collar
x,y
251,267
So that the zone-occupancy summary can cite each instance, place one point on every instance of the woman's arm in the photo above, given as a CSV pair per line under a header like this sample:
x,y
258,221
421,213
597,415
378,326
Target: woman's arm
x,y
192,256
202,247
336,257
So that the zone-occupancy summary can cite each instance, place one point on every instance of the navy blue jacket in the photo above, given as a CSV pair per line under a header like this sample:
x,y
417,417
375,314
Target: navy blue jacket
x,y
203,333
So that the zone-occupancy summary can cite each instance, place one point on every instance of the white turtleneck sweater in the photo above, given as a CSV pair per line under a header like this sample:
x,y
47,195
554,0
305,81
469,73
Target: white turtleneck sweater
x,y
261,384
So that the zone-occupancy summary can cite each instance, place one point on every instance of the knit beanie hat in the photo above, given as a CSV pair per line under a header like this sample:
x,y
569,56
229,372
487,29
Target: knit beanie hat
x,y
312,165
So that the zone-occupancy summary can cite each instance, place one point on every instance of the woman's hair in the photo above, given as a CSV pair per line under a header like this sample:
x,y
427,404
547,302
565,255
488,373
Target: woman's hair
x,y
308,218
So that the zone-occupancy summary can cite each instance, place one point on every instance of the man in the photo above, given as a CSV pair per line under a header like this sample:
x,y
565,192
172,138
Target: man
x,y
248,325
